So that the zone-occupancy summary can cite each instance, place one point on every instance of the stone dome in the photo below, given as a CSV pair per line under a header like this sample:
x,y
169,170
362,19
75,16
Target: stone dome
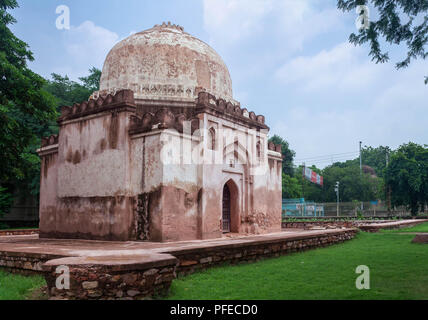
x,y
165,63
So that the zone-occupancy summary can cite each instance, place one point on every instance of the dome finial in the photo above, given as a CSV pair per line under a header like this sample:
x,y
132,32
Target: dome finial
x,y
169,25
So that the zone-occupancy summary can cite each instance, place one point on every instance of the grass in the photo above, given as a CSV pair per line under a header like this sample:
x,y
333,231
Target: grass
x,y
398,270
5,228
17,287
418,228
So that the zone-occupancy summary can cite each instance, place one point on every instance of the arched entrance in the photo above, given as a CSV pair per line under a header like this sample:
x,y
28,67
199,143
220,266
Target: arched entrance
x,y
226,209
230,206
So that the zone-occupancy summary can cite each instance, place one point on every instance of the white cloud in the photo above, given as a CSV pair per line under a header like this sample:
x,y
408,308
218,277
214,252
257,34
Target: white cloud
x,y
85,46
323,94
344,67
394,111
299,22
229,22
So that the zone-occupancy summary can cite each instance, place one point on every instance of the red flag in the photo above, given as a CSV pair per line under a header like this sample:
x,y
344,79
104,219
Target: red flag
x,y
314,177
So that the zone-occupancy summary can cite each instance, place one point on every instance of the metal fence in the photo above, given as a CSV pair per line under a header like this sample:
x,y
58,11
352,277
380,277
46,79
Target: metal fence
x,y
301,208
369,209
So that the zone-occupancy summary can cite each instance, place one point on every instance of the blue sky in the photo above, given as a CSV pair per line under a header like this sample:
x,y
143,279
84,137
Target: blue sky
x,y
289,60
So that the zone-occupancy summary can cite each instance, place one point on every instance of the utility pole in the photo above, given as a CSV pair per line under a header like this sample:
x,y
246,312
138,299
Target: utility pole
x,y
303,180
388,188
361,171
337,193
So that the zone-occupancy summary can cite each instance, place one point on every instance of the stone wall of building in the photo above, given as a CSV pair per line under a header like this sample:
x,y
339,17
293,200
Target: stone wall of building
x,y
85,177
115,173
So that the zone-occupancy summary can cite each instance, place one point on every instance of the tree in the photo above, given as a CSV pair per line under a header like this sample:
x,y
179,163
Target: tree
x,y
287,155
68,92
353,185
64,93
407,176
5,201
400,21
290,185
25,107
375,158
92,82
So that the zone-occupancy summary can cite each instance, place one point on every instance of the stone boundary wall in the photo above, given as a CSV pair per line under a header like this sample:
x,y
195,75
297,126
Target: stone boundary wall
x,y
24,263
112,278
375,227
421,238
192,260
19,232
361,224
306,225
144,276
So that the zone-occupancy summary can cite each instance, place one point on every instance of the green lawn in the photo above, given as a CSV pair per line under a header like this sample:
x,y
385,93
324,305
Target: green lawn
x,y
398,270
419,228
17,287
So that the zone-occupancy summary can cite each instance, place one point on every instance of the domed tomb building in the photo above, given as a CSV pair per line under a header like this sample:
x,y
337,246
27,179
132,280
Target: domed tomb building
x,y
162,152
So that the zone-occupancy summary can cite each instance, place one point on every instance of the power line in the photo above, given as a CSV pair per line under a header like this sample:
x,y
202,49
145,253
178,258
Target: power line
x,y
342,158
329,161
323,161
328,156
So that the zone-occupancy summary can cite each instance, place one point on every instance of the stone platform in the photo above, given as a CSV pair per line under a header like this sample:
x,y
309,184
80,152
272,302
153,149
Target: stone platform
x,y
19,232
421,238
135,270
375,227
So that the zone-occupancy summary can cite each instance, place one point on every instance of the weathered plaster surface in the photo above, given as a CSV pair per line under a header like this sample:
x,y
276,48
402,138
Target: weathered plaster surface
x,y
156,170
164,62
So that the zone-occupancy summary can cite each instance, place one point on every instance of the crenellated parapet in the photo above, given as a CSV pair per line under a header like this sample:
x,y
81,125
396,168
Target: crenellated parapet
x,y
49,141
162,119
207,101
274,147
122,99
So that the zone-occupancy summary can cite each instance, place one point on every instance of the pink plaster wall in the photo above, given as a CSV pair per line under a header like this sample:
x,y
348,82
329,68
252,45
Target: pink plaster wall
x,y
89,188
88,194
48,190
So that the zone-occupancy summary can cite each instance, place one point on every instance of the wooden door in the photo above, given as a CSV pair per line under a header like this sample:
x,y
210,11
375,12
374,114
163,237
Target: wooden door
x,y
226,209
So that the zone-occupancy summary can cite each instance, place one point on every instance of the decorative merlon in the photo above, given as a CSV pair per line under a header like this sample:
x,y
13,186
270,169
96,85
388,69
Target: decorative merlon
x,y
123,98
49,141
162,119
207,100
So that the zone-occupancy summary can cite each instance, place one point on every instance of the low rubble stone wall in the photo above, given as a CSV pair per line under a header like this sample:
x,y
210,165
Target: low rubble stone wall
x,y
142,276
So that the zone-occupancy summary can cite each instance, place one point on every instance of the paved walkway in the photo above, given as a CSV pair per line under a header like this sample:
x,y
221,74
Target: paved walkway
x,y
32,245
374,227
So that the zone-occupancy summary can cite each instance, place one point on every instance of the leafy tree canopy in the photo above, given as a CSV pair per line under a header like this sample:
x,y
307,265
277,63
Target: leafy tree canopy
x,y
68,92
25,106
287,154
92,81
291,187
376,158
407,176
400,21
